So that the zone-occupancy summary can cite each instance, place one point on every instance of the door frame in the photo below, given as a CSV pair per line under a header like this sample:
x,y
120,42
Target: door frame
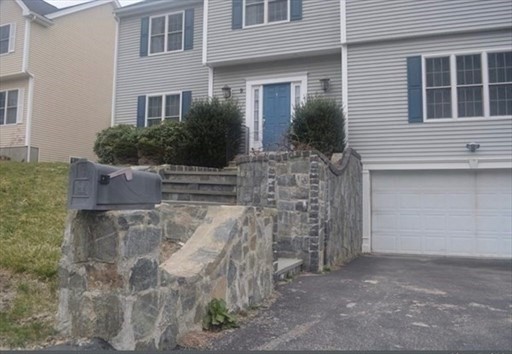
x,y
255,85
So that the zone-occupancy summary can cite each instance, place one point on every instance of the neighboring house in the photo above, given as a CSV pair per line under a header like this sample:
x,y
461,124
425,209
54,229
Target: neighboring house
x,y
426,78
267,54
56,75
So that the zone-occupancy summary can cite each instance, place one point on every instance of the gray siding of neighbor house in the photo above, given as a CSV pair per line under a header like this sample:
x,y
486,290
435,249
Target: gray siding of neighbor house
x,y
316,68
318,30
378,112
168,72
378,19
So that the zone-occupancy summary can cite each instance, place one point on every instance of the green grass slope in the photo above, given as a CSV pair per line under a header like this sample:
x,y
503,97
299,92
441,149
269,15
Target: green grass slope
x,y
32,216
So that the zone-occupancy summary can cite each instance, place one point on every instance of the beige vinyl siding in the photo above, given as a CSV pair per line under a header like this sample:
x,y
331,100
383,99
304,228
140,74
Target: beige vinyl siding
x,y
316,68
72,62
10,12
318,30
378,19
166,72
14,135
378,112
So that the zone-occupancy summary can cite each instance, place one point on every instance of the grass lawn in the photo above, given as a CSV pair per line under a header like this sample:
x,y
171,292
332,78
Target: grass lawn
x,y
32,216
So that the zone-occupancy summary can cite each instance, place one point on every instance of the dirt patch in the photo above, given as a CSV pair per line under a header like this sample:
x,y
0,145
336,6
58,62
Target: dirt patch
x,y
7,290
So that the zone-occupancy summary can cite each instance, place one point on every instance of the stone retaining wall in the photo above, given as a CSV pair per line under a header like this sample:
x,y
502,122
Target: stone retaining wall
x,y
319,203
118,283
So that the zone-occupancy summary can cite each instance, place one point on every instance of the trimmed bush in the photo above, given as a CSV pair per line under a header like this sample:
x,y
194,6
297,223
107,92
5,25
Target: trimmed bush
x,y
214,131
162,144
117,145
318,123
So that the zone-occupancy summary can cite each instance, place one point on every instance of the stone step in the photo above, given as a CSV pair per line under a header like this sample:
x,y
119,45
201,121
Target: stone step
x,y
203,177
199,185
287,268
221,197
188,202
201,173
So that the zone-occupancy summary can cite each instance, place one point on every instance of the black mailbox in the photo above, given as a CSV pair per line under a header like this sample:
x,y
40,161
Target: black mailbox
x,y
101,187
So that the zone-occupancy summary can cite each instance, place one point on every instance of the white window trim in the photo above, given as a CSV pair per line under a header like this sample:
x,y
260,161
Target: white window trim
x,y
166,33
19,107
162,117
265,16
259,82
11,48
453,85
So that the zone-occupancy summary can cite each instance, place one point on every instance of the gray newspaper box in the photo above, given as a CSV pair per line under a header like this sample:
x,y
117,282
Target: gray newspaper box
x,y
101,187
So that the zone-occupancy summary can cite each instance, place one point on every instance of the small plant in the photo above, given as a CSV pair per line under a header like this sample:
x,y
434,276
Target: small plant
x,y
318,123
117,145
217,317
327,269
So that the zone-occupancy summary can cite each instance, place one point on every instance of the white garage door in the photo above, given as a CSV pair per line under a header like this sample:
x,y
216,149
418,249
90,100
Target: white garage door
x,y
462,213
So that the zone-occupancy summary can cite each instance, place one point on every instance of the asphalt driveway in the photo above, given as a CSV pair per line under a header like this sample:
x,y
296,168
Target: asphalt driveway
x,y
388,303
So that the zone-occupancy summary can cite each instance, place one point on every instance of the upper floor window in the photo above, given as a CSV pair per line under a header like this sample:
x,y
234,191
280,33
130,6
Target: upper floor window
x,y
257,12
8,107
468,85
163,107
166,33
7,38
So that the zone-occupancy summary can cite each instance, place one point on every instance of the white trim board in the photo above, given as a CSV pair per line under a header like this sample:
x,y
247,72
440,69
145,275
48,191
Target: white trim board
x,y
82,7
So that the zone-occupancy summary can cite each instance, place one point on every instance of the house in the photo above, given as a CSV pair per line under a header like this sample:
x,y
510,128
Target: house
x,y
56,78
429,103
426,87
268,55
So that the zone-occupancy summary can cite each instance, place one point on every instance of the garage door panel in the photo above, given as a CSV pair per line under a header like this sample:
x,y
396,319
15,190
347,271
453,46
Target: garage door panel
x,y
463,213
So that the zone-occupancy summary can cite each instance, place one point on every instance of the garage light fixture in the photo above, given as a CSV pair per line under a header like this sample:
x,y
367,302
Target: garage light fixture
x,y
472,146
325,84
226,91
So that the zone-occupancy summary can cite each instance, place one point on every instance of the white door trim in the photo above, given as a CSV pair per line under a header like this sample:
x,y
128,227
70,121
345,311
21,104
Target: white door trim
x,y
253,83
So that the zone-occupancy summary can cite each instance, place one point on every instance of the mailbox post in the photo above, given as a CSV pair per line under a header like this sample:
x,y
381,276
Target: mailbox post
x,y
101,187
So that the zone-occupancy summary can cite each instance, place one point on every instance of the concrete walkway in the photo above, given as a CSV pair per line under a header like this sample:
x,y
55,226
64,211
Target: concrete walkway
x,y
388,303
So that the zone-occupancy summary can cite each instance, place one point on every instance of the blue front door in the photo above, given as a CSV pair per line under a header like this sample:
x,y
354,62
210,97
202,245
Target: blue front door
x,y
276,115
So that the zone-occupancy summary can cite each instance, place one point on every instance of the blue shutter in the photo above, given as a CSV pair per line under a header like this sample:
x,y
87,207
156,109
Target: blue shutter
x,y
141,111
295,10
414,89
144,36
238,13
189,29
186,101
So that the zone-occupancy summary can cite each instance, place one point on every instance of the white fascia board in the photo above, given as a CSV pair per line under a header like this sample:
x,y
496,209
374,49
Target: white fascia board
x,y
155,6
455,164
24,7
82,7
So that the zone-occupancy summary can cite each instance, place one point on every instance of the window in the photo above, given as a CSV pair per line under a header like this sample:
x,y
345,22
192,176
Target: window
x,y
8,107
6,36
258,12
468,85
500,83
163,107
166,34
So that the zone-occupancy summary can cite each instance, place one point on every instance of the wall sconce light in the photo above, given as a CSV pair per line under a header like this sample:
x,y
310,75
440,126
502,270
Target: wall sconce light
x,y
226,91
472,146
325,84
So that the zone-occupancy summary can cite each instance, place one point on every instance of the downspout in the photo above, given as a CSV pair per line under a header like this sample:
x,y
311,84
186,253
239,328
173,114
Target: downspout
x,y
205,48
344,67
114,83
30,95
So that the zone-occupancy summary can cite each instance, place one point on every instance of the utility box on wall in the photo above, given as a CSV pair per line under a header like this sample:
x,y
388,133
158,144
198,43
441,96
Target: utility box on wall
x,y
101,187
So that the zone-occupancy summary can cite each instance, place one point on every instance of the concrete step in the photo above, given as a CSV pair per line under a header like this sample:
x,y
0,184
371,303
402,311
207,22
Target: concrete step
x,y
287,268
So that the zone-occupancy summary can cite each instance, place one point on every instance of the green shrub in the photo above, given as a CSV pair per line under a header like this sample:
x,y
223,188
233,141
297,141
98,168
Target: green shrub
x,y
163,143
214,130
117,145
217,316
319,124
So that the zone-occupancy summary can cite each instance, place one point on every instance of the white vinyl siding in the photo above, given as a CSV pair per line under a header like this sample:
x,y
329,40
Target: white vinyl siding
x,y
377,104
319,30
138,76
377,19
461,213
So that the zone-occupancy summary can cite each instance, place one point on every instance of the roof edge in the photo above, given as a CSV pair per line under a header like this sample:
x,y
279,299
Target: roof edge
x,y
149,6
85,6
